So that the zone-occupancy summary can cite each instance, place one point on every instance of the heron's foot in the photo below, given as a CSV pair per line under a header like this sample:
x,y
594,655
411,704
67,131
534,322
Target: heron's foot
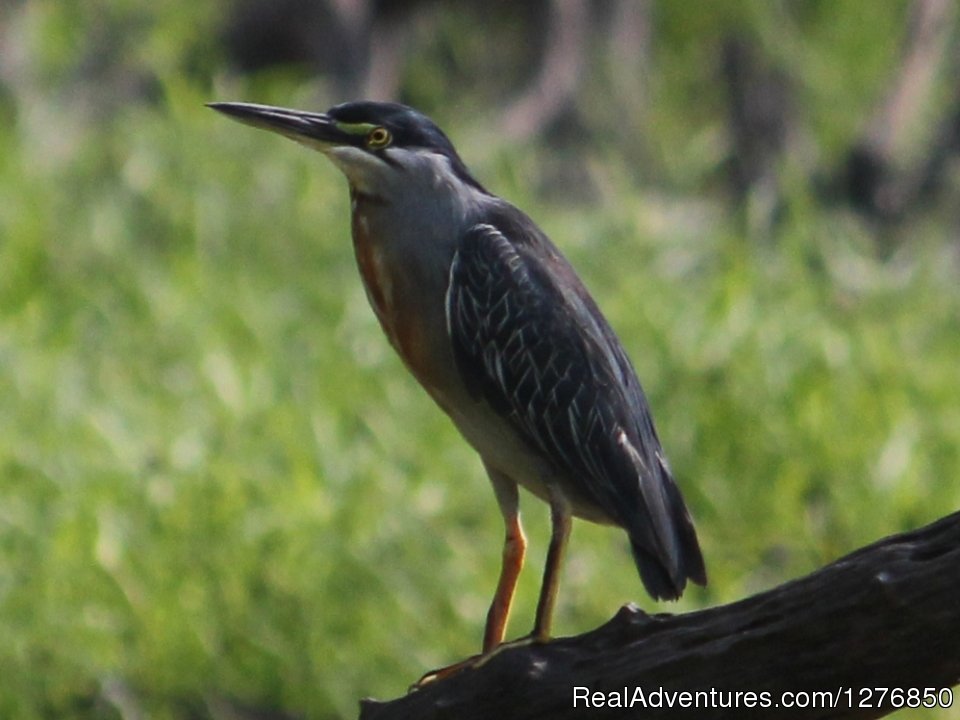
x,y
525,641
476,661
442,673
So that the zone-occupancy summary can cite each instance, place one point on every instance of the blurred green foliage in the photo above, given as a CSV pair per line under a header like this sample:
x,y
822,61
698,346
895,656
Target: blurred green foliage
x,y
216,481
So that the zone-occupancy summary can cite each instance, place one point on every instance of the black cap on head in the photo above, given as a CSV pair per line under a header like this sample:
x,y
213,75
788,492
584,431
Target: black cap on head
x,y
408,127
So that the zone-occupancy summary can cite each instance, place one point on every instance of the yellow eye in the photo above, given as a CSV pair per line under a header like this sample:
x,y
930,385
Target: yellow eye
x,y
378,138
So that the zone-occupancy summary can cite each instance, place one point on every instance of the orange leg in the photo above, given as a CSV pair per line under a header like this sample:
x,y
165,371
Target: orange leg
x,y
561,522
514,548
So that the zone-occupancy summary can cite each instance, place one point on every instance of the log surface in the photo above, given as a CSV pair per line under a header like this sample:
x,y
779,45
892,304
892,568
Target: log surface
x,y
885,616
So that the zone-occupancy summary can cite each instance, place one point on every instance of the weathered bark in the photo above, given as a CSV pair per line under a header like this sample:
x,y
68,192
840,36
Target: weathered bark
x,y
885,616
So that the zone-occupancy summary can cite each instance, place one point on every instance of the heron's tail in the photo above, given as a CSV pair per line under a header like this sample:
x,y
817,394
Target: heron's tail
x,y
663,539
665,573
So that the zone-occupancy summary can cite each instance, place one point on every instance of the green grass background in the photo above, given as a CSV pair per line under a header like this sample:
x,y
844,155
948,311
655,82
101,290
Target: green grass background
x,y
216,480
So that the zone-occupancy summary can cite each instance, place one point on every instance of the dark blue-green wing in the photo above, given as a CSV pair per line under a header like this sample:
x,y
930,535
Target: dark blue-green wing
x,y
530,341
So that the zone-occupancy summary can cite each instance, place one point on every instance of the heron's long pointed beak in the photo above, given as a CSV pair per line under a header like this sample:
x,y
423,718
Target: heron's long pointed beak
x,y
316,130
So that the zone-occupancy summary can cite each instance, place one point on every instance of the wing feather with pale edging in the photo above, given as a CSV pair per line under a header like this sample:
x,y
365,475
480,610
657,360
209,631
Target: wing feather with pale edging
x,y
528,340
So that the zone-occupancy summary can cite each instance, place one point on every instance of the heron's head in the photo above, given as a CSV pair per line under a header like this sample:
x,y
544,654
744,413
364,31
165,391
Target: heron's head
x,y
376,145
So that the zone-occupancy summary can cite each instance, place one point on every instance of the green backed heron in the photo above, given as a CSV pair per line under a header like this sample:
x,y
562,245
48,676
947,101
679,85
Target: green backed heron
x,y
496,326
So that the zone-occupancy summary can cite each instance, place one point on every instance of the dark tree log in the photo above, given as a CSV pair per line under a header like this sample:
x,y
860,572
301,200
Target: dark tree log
x,y
887,615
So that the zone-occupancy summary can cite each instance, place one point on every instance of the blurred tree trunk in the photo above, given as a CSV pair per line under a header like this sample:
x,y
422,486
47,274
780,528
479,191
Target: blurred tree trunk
x,y
890,164
760,111
554,89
